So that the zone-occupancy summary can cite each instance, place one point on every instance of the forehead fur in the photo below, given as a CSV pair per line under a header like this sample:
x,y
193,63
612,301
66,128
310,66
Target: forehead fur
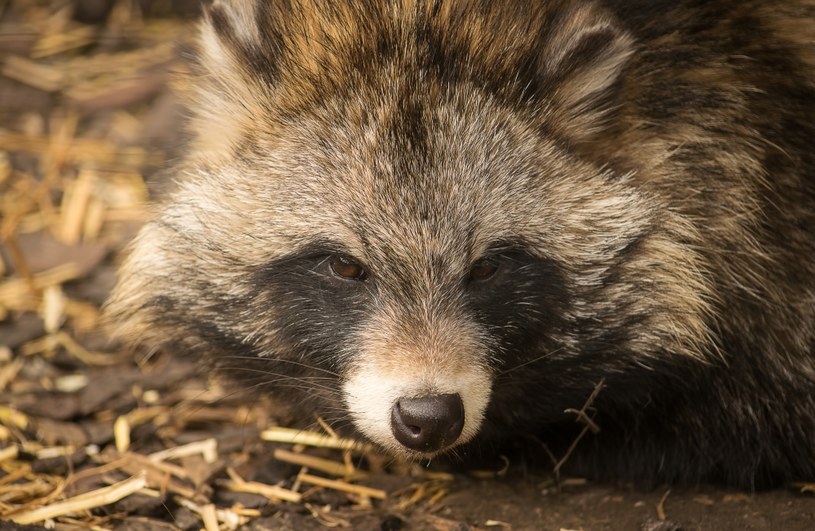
x,y
274,60
470,176
415,123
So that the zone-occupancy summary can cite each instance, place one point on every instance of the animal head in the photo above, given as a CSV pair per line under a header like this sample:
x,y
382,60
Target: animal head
x,y
385,209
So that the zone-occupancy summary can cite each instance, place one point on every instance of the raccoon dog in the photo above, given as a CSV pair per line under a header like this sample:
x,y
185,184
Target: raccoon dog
x,y
442,223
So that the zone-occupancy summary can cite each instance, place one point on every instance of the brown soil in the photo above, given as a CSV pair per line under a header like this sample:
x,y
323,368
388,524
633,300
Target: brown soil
x,y
88,117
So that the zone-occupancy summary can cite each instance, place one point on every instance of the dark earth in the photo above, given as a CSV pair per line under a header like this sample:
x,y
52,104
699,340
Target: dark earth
x,y
64,384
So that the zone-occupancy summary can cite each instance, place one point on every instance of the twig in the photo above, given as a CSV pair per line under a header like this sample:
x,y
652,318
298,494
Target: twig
x,y
308,438
273,492
343,486
661,506
208,448
324,465
8,453
589,424
89,500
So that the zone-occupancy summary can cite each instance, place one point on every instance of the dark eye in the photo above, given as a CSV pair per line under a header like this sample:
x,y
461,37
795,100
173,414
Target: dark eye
x,y
484,269
346,268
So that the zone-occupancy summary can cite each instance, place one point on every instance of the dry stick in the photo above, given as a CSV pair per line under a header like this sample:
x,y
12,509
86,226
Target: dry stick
x,y
343,486
209,517
661,506
17,257
418,494
208,448
273,492
325,518
589,425
324,425
72,478
804,487
151,466
323,465
14,476
308,438
74,206
95,471
89,500
42,77
9,453
62,339
441,493
58,148
11,416
207,512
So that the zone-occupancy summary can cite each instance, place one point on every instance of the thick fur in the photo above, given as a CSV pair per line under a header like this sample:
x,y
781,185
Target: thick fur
x,y
641,172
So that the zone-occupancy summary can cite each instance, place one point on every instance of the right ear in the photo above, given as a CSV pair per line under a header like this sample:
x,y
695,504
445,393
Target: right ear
x,y
580,64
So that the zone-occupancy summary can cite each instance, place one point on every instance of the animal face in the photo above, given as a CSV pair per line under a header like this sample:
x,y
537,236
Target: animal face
x,y
412,270
389,213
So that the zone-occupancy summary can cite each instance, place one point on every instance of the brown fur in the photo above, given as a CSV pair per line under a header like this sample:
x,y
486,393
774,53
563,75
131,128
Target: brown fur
x,y
649,165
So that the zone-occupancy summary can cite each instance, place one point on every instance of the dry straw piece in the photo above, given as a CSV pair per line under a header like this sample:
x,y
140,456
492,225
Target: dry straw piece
x,y
343,486
328,466
309,438
83,502
272,492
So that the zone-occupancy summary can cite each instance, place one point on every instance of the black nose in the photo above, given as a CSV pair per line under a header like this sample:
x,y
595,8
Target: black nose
x,y
428,423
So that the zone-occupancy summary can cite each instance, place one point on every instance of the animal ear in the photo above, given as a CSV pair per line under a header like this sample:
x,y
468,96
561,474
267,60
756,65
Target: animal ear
x,y
230,34
581,63
234,71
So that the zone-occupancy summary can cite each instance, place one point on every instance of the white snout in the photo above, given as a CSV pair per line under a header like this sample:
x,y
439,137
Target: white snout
x,y
370,396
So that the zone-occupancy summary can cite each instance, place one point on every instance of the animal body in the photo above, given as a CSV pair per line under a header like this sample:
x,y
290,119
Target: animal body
x,y
443,223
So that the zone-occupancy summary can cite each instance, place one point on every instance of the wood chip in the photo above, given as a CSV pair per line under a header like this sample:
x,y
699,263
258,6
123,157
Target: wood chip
x,y
53,308
8,453
74,206
12,417
121,434
9,371
71,383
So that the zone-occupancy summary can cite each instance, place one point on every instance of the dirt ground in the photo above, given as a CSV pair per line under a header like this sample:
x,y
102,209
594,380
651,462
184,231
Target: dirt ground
x,y
93,436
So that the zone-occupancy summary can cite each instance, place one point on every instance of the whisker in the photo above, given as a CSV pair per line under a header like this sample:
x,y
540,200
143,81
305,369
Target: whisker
x,y
281,377
283,360
529,362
